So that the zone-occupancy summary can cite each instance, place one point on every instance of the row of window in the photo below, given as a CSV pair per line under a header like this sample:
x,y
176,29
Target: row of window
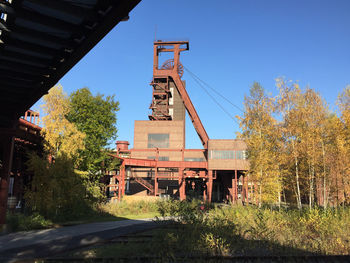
x,y
161,140
166,158
227,155
194,159
160,158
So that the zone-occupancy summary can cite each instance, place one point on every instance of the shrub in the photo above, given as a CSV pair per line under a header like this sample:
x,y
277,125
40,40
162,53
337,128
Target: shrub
x,y
20,222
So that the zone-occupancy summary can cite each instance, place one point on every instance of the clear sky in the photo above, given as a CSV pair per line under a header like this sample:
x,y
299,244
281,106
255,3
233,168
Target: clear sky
x,y
232,44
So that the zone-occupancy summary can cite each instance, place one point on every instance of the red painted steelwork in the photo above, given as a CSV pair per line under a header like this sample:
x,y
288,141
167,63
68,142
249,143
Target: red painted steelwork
x,y
122,145
24,131
159,73
162,164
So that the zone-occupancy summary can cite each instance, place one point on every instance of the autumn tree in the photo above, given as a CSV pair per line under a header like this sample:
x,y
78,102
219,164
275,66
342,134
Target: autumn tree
x,y
258,126
57,190
287,104
60,135
313,117
344,107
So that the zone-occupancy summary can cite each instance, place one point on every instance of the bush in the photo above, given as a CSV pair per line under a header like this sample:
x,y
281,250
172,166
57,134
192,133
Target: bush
x,y
57,192
20,222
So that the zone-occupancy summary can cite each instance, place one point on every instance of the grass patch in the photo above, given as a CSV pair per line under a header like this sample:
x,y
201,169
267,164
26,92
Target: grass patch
x,y
130,209
100,213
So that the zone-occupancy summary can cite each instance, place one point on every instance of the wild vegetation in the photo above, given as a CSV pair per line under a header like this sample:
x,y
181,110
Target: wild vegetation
x,y
236,231
93,213
298,149
298,152
67,175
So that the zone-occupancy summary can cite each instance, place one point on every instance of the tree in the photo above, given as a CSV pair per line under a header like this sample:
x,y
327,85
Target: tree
x,y
313,139
259,132
96,117
57,190
60,135
287,104
344,106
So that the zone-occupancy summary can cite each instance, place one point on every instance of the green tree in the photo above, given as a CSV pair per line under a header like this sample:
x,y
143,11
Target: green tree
x,y
96,117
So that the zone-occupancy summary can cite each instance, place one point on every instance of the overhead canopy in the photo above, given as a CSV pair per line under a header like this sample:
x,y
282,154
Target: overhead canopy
x,y
41,40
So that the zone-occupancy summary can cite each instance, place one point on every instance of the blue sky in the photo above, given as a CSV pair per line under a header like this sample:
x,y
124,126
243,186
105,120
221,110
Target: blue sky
x,y
232,44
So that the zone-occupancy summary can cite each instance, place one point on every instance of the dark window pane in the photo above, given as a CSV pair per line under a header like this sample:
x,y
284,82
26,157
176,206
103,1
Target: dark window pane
x,y
158,140
194,159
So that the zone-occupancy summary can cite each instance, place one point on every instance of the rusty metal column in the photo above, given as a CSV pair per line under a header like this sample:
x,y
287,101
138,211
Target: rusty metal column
x,y
156,181
243,188
236,187
205,191
123,181
246,189
210,185
7,153
119,185
182,190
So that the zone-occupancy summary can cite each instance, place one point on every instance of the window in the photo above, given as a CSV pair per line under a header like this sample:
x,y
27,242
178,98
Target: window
x,y
227,155
158,140
160,158
223,155
171,99
239,155
194,159
10,189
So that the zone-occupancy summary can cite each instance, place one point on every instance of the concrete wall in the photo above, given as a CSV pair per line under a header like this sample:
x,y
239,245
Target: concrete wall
x,y
178,105
175,129
228,164
194,154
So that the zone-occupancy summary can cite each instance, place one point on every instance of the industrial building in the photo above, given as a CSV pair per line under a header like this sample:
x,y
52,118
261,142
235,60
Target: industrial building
x,y
159,164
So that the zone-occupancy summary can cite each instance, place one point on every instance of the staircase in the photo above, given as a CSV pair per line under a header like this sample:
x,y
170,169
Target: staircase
x,y
145,183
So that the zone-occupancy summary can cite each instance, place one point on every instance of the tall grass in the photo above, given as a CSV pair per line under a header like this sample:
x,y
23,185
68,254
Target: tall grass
x,y
133,209
238,230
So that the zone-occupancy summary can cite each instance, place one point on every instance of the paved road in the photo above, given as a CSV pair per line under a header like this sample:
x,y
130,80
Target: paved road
x,y
49,242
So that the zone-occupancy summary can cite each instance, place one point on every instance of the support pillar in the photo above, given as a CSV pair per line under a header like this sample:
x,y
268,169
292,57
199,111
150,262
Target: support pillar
x,y
243,189
123,181
236,188
156,182
210,185
182,185
7,156
246,189
119,185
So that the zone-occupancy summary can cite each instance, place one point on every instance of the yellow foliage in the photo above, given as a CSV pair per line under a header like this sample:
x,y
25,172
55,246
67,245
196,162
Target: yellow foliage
x,y
61,136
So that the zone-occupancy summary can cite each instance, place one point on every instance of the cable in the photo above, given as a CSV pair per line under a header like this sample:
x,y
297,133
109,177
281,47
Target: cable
x,y
206,91
206,84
